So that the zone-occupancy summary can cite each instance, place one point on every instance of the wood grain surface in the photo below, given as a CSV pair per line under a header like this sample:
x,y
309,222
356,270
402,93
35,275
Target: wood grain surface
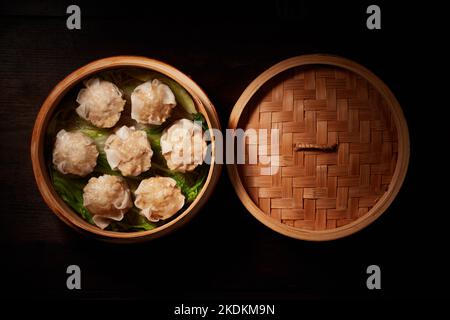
x,y
224,253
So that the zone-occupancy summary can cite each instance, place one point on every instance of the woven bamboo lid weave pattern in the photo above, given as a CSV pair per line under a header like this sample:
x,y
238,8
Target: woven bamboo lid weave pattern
x,y
343,147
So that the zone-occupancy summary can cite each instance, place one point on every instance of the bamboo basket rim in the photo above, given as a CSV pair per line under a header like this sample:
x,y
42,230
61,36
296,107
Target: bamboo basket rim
x,y
403,148
54,201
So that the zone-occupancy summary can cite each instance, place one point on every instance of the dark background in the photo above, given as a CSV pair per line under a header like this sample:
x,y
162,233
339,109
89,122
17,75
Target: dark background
x,y
224,253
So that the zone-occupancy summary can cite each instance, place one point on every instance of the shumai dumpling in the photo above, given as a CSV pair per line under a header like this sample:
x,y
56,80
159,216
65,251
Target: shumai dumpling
x,y
152,102
107,198
158,198
74,153
183,145
100,102
129,151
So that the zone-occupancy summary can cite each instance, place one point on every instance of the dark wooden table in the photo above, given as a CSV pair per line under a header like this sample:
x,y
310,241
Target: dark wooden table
x,y
224,253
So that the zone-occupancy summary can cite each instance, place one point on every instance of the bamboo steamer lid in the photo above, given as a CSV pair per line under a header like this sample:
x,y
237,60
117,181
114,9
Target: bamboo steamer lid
x,y
343,147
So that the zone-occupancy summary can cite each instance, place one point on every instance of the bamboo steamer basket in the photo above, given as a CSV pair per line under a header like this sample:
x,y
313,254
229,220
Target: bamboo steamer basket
x,y
343,147
53,200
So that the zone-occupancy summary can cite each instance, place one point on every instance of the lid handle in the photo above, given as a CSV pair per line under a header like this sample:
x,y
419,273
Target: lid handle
x,y
315,147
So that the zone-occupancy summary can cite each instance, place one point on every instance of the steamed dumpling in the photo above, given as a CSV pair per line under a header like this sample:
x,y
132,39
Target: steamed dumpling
x,y
152,102
100,102
183,145
129,151
107,198
158,198
74,153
